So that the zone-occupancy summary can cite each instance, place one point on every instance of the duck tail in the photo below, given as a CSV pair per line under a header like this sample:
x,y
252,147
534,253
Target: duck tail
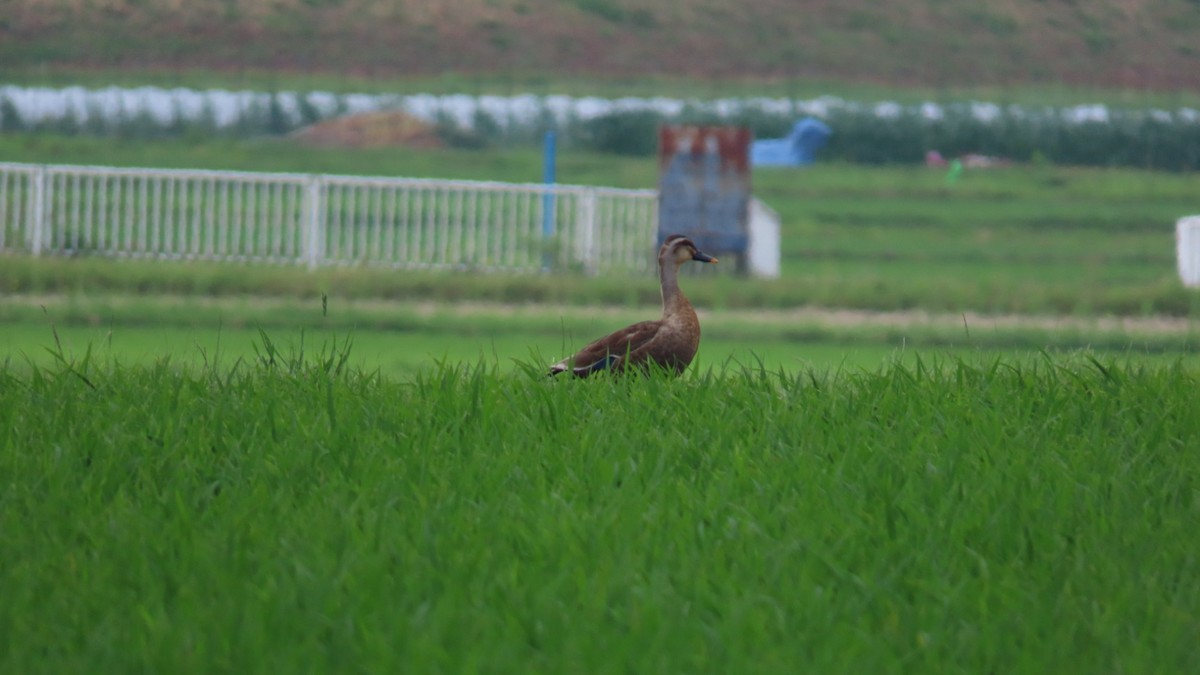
x,y
605,363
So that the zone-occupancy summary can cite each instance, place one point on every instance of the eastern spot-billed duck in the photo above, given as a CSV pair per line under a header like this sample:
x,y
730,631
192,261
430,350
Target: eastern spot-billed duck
x,y
669,342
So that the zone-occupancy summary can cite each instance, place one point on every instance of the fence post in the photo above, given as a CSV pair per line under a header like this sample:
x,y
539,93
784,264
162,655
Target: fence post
x,y
548,177
313,208
1187,250
587,231
37,210
763,253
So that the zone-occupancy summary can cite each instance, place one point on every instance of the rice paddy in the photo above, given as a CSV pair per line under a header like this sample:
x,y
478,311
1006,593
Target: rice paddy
x,y
296,513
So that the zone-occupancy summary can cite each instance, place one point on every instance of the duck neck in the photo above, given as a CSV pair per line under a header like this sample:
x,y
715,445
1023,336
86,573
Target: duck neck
x,y
668,276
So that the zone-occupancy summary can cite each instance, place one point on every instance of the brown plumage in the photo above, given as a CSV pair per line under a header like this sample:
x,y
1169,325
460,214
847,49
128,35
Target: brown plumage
x,y
669,342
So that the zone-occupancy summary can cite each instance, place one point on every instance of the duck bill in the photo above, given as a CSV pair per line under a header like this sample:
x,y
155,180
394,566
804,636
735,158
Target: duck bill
x,y
704,257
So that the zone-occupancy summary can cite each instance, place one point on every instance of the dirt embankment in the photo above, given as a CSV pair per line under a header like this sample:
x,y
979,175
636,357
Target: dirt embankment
x,y
388,128
1149,44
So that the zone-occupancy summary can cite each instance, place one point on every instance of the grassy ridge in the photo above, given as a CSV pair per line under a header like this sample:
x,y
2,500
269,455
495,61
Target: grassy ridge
x,y
293,515
1051,287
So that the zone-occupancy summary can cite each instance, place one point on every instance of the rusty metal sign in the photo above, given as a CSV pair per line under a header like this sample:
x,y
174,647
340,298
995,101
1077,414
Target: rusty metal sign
x,y
704,186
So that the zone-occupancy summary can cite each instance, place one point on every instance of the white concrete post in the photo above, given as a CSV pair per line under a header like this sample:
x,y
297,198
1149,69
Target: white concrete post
x,y
587,231
762,253
1187,250
37,211
312,239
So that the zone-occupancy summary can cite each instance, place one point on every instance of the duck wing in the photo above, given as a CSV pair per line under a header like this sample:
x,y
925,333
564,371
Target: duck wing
x,y
604,352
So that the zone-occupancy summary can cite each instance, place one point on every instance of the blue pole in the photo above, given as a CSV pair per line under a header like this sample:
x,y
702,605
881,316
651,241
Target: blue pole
x,y
548,178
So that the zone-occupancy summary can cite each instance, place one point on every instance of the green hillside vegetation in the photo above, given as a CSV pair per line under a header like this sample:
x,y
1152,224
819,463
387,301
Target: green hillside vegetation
x,y
930,43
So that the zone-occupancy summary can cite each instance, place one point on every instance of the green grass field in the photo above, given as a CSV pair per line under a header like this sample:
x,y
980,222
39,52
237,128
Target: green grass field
x,y
399,354
399,337
296,515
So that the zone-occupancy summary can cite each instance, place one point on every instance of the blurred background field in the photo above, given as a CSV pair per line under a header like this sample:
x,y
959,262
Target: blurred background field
x,y
1028,240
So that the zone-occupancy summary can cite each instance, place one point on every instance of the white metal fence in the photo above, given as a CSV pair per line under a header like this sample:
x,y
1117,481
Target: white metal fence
x,y
317,220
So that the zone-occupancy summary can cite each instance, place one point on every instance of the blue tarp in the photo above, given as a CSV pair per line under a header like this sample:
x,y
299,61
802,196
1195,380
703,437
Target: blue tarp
x,y
796,149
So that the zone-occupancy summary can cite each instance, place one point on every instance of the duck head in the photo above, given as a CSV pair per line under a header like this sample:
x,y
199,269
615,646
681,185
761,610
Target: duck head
x,y
679,249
